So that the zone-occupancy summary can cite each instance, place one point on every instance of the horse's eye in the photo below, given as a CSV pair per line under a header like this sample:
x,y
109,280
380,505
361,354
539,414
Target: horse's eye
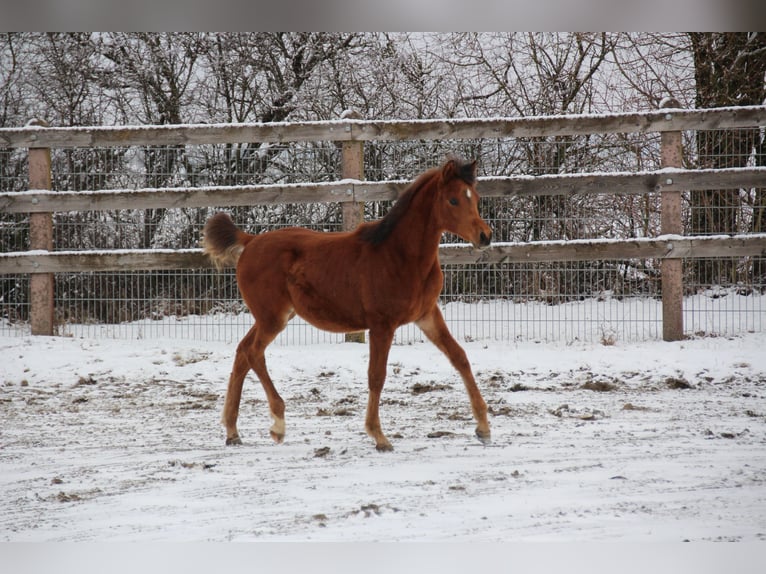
x,y
453,201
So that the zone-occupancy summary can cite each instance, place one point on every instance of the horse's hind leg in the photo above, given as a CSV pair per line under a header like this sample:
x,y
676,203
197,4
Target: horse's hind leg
x,y
276,404
234,391
265,332
251,355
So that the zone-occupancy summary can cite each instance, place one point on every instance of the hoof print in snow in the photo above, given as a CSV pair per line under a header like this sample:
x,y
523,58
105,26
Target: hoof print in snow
x,y
675,383
599,386
440,434
322,452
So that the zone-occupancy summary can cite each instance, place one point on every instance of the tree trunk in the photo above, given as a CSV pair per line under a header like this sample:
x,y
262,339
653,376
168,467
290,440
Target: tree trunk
x,y
729,70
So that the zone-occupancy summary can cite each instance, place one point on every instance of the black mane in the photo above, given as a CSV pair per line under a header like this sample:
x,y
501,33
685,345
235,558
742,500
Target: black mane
x,y
465,170
378,231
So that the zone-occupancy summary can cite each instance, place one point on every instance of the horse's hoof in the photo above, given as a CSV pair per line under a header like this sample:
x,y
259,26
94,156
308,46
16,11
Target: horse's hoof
x,y
234,441
484,437
277,430
384,447
276,437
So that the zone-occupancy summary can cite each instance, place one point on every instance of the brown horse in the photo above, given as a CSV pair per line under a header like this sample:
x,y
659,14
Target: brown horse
x,y
380,276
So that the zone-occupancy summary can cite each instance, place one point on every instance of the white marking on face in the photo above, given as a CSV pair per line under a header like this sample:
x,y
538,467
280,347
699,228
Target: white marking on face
x,y
468,193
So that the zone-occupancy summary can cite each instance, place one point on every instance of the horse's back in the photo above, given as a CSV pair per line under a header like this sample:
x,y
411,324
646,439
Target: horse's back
x,y
309,272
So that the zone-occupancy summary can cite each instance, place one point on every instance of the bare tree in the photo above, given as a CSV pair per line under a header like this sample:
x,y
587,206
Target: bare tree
x,y
650,67
11,68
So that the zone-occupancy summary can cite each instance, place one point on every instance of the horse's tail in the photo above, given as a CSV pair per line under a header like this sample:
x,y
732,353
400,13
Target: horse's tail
x,y
222,241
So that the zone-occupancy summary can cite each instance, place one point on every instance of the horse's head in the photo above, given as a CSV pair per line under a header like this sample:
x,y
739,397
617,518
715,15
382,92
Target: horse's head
x,y
458,203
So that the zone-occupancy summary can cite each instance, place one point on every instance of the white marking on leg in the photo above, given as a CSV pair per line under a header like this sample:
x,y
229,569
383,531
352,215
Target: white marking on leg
x,y
278,427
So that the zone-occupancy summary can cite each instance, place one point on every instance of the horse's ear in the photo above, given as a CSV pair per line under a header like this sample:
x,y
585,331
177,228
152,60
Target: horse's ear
x,y
458,169
471,168
449,170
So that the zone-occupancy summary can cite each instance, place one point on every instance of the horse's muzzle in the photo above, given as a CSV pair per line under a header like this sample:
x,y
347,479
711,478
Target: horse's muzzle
x,y
484,241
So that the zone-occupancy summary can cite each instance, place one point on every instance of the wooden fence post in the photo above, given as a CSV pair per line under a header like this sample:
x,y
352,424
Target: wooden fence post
x,y
352,167
42,305
671,224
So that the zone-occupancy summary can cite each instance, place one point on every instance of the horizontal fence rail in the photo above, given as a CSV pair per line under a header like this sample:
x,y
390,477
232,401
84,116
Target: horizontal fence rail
x,y
344,191
661,247
668,119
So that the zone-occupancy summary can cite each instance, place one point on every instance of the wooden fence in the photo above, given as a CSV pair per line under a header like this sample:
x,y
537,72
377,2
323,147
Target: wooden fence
x,y
41,262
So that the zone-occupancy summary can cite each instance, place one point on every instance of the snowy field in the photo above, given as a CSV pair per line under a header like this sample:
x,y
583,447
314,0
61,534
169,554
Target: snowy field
x,y
109,440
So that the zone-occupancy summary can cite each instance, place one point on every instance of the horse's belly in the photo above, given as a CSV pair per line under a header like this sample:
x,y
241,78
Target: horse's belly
x,y
328,320
329,311
341,292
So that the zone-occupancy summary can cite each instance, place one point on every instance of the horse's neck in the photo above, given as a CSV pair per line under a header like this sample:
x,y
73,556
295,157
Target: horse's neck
x,y
417,236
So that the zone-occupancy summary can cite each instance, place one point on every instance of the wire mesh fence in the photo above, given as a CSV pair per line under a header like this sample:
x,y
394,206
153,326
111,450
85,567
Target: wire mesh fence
x,y
595,300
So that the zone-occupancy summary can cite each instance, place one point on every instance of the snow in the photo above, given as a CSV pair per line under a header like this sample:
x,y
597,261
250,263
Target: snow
x,y
347,121
552,243
202,189
212,189
105,440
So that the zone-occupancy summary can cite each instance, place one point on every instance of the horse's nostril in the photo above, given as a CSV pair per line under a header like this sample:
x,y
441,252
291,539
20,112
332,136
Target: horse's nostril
x,y
484,238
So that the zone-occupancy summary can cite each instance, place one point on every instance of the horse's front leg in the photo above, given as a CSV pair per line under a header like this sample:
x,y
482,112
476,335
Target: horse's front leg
x,y
380,344
434,327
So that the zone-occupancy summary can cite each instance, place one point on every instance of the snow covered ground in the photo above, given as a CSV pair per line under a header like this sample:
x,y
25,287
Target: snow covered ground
x,y
110,440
